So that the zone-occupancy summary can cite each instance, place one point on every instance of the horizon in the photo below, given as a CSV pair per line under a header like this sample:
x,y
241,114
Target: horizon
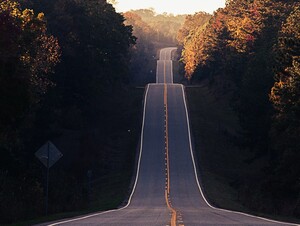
x,y
176,8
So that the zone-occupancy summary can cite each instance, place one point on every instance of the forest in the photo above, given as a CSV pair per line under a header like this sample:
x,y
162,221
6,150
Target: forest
x,y
248,56
74,71
65,77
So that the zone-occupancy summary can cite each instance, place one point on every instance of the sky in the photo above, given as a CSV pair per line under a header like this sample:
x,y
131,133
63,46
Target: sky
x,y
171,6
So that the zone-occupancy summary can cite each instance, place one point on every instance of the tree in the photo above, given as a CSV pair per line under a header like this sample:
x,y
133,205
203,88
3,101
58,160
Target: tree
x,y
239,51
285,133
95,56
191,37
143,52
191,23
27,57
165,25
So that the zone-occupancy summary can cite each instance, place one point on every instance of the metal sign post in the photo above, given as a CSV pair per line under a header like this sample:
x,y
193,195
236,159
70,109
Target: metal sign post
x,y
48,154
89,175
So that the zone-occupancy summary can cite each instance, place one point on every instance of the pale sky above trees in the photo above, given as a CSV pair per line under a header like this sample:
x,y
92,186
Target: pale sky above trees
x,y
171,6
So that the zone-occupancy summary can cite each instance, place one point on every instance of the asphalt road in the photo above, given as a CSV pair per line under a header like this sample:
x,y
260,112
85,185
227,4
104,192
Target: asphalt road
x,y
166,190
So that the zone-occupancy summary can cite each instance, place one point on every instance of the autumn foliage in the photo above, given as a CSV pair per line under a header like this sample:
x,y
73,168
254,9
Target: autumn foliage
x,y
191,31
249,52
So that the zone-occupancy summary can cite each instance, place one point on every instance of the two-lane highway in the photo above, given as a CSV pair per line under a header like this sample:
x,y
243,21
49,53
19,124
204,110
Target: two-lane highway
x,y
166,189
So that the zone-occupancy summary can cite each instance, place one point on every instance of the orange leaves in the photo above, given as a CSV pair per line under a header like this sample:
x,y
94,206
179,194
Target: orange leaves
x,y
191,36
243,27
235,27
286,89
12,7
292,25
47,55
140,27
241,31
219,21
285,92
275,96
243,21
36,51
32,22
191,23
27,16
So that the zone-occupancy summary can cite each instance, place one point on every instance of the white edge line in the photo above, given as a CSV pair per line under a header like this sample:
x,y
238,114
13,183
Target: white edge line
x,y
160,55
136,179
172,78
157,71
196,176
160,59
172,75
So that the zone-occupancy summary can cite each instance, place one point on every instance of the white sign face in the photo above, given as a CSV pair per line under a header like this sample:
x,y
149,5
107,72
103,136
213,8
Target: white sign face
x,y
48,150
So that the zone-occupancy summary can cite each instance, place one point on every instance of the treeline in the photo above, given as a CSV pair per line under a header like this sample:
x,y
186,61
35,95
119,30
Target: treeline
x,y
144,52
165,26
65,77
188,36
153,31
249,52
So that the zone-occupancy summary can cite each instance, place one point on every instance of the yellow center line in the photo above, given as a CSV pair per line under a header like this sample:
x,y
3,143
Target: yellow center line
x,y
165,79
167,190
167,136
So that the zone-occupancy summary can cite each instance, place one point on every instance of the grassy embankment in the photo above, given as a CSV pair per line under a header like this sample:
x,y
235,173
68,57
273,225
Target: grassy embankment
x,y
212,121
222,164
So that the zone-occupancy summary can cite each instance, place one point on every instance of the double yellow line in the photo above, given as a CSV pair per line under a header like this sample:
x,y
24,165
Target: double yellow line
x,y
167,163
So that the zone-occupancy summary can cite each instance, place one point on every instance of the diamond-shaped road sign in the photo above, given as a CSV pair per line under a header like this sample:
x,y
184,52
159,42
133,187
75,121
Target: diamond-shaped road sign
x,y
48,150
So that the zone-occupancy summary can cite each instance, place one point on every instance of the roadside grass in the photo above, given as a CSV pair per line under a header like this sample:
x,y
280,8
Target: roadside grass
x,y
109,195
211,122
222,164
176,78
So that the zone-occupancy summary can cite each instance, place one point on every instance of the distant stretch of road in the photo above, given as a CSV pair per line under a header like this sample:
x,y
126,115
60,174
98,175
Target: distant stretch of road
x,y
166,190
